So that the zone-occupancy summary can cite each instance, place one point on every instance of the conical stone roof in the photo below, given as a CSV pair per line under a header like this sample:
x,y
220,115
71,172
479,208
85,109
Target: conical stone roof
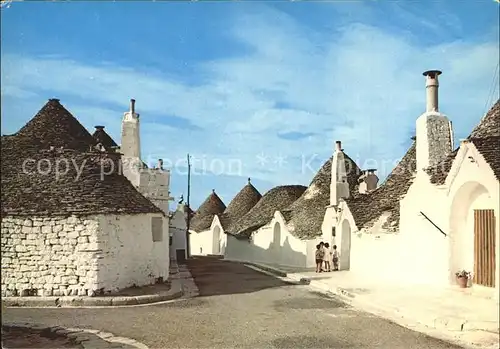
x,y
243,202
54,126
101,136
365,208
202,219
38,180
276,199
305,216
488,127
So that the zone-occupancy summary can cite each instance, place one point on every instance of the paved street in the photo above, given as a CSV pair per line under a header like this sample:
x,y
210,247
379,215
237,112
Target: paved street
x,y
239,308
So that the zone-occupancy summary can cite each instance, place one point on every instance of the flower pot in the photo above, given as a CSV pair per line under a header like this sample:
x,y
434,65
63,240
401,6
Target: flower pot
x,y
462,281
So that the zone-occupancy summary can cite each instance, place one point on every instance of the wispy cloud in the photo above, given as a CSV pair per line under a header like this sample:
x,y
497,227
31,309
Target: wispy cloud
x,y
357,83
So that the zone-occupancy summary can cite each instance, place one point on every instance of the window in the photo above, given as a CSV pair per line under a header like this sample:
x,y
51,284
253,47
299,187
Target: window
x,y
157,228
333,231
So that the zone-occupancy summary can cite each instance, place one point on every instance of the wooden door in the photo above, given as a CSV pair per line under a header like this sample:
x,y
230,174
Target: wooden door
x,y
484,248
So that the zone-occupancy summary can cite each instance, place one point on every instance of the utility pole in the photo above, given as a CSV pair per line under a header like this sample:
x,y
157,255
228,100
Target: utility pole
x,y
189,207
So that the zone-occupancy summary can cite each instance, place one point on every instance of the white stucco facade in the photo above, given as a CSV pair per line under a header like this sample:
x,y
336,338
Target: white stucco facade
x,y
82,256
328,227
212,241
412,257
177,231
422,252
273,244
129,254
472,185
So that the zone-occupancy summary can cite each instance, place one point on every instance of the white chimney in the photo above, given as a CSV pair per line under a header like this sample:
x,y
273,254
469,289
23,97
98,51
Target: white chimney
x,y
131,143
339,187
432,87
338,146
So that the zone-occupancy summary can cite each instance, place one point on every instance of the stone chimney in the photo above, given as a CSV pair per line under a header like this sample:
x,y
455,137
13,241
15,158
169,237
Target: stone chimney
x,y
99,128
368,181
434,138
339,187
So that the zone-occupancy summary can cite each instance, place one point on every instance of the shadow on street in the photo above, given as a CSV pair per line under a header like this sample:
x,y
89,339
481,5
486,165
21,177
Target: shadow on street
x,y
215,277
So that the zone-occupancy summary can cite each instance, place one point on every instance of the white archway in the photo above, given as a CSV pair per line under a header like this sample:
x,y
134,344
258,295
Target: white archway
x,y
277,235
345,246
469,197
216,241
277,255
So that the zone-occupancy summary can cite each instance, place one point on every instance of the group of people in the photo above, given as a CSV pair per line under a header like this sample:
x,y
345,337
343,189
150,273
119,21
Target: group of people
x,y
325,257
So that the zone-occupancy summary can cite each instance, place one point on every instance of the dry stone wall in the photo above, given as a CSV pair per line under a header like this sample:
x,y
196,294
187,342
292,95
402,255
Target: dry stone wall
x,y
49,256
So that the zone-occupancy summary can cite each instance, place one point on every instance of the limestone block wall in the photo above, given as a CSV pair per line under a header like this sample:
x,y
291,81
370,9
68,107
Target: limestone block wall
x,y
81,256
48,256
434,139
154,184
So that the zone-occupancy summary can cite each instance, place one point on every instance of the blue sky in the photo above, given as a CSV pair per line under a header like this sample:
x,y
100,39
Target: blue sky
x,y
251,89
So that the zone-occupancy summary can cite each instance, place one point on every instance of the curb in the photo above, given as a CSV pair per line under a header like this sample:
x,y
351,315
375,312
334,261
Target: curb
x,y
88,302
436,327
272,270
87,339
176,291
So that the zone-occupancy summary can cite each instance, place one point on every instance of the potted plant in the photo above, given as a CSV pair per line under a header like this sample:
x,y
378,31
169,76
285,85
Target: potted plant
x,y
463,278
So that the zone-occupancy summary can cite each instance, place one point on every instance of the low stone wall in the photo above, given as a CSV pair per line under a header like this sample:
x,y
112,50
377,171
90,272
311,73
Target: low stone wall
x,y
49,256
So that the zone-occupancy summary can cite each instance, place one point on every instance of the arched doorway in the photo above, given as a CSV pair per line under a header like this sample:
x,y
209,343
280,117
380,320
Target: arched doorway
x,y
276,243
345,246
216,241
472,234
277,235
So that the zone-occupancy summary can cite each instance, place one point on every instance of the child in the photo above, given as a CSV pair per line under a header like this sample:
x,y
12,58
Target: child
x,y
327,257
335,258
319,257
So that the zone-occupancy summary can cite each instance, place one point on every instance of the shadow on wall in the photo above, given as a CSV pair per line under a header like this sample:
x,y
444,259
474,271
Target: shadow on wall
x,y
222,247
275,254
215,277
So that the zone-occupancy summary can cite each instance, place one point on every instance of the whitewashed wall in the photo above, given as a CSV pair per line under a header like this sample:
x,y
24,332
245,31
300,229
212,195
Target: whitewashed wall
x,y
200,243
80,256
219,237
419,253
128,253
411,257
272,244
178,242
209,242
472,185
420,237
49,256
329,222
177,230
